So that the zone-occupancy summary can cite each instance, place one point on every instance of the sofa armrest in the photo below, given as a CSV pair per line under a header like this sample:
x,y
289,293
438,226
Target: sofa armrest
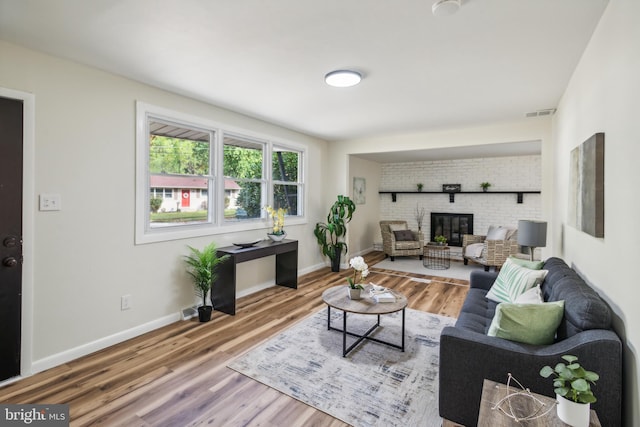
x,y
482,279
468,358
468,239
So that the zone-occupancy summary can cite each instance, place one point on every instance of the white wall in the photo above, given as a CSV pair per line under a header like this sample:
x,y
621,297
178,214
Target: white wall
x,y
604,96
84,255
364,226
504,174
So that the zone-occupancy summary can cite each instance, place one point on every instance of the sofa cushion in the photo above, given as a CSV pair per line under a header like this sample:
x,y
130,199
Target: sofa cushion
x,y
497,233
527,323
532,296
514,280
403,235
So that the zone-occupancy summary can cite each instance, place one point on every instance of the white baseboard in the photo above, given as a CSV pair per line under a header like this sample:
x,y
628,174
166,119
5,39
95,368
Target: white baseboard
x,y
83,350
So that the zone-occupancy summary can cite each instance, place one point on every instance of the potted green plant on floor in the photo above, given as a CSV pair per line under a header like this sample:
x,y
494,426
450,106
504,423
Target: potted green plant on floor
x,y
202,266
330,235
572,385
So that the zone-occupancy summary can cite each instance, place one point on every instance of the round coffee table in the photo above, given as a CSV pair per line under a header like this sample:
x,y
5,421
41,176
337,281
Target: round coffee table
x,y
337,297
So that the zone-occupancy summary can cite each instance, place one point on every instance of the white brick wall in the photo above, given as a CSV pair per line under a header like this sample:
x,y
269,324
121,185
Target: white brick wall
x,y
504,174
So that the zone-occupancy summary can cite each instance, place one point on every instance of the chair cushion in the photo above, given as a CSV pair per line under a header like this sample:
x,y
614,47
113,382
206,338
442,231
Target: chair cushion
x,y
532,265
403,235
527,323
404,245
514,280
474,250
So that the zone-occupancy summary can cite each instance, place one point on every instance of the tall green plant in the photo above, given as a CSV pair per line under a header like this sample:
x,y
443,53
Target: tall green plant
x,y
202,266
331,233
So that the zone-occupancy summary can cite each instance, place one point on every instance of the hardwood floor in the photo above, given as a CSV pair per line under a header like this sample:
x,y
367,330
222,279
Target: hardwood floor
x,y
177,375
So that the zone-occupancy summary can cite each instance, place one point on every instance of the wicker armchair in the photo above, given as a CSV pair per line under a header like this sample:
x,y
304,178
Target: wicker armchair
x,y
494,252
393,247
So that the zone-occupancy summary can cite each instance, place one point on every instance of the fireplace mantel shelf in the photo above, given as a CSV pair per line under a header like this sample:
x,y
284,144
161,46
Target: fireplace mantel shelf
x,y
518,193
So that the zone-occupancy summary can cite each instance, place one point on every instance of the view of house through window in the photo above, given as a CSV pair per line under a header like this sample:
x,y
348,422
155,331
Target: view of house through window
x,y
196,178
179,174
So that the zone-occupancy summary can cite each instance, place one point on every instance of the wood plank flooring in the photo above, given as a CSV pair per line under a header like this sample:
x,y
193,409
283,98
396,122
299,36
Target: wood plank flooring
x,y
177,375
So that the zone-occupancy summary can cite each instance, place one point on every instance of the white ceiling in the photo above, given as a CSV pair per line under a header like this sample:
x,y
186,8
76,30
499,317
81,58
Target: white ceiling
x,y
492,61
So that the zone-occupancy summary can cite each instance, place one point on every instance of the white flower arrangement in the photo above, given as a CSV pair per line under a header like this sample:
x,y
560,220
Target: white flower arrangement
x,y
359,268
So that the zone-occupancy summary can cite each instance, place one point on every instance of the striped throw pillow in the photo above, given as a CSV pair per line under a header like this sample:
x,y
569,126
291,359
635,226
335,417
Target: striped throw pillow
x,y
514,280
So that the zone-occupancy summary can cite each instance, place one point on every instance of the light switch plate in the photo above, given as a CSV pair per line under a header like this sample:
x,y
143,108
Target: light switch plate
x,y
50,202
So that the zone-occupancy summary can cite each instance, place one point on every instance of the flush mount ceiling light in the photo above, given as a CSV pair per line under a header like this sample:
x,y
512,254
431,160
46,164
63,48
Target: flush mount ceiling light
x,y
343,78
445,7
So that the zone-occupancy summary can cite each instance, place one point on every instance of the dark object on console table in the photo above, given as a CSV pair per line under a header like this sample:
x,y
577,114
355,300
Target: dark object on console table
x,y
468,355
223,292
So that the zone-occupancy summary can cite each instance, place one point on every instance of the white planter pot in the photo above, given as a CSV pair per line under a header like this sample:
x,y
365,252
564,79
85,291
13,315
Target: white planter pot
x,y
354,293
572,413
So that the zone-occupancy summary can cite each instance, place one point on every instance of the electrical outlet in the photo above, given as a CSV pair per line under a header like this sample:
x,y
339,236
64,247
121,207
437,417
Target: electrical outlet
x,y
125,302
50,202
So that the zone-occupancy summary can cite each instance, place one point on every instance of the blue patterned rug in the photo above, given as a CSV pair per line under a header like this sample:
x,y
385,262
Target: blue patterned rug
x,y
375,385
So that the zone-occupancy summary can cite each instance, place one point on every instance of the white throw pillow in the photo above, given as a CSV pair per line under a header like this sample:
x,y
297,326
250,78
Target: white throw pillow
x,y
497,233
532,296
513,281
397,227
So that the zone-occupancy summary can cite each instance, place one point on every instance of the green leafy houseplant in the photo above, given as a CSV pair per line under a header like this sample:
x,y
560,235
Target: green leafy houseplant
x,y
330,234
202,266
419,185
485,186
440,239
571,380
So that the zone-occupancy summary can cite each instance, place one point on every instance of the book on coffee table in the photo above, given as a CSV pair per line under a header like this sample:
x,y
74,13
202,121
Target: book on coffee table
x,y
384,297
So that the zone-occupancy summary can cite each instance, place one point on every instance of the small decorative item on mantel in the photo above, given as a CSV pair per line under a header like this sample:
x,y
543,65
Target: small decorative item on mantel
x,y
573,390
360,271
419,185
485,186
451,188
277,217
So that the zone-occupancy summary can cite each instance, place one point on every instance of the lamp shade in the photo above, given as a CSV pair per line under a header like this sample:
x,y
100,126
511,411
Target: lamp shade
x,y
532,233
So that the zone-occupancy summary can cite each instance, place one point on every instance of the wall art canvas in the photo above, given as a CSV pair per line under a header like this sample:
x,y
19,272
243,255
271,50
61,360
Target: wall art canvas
x,y
586,207
359,191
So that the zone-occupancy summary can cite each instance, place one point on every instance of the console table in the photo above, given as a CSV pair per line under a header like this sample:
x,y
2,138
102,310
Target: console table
x,y
223,292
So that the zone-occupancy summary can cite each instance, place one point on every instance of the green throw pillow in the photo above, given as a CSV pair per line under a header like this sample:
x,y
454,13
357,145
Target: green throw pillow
x,y
527,323
514,280
532,265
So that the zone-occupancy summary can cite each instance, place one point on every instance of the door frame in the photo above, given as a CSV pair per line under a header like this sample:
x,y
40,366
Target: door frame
x,y
28,227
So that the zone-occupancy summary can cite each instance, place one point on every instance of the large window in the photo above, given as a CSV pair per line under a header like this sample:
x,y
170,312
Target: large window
x,y
194,177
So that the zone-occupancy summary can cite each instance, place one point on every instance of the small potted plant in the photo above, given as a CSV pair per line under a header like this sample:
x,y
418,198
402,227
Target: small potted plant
x,y
419,185
360,271
277,216
202,266
572,385
440,240
485,186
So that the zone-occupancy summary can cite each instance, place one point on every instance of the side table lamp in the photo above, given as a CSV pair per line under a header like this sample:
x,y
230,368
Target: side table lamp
x,y
532,234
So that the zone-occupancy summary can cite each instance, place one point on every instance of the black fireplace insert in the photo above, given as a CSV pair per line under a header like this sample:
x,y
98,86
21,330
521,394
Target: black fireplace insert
x,y
452,226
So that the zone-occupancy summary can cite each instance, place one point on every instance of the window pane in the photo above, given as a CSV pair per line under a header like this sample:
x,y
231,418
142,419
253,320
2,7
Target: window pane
x,y
243,171
286,197
285,164
179,165
242,158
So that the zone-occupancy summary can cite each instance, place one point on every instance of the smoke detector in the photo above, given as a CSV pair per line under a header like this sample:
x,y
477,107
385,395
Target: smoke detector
x,y
445,7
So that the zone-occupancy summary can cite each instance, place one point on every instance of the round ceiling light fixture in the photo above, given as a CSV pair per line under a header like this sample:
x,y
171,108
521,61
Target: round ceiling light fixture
x,y
445,7
343,78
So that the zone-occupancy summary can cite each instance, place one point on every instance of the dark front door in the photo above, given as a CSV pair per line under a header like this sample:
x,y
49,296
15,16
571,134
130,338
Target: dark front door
x,y
10,236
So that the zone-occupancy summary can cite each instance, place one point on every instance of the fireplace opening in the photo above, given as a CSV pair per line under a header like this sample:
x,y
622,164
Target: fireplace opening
x,y
452,226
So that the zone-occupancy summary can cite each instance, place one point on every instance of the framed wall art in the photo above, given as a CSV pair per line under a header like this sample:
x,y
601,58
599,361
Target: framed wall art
x,y
359,191
586,206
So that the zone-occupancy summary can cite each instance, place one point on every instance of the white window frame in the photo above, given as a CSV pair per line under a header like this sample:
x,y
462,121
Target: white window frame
x,y
216,225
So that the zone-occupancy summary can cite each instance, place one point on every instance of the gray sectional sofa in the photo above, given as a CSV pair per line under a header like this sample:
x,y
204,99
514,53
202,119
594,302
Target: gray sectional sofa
x,y
468,355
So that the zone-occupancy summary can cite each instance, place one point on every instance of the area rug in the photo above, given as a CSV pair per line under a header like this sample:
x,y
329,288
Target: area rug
x,y
375,385
413,265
